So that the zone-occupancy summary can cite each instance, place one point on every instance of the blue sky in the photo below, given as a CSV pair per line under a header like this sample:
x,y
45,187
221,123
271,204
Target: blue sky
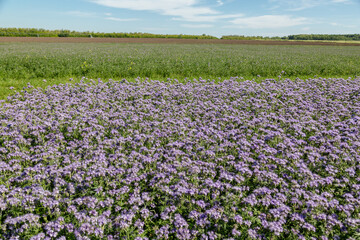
x,y
213,17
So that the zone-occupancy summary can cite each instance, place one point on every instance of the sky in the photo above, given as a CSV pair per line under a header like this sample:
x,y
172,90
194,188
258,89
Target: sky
x,y
212,17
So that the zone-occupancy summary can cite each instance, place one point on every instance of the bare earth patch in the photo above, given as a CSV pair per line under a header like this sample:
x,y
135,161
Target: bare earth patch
x,y
167,41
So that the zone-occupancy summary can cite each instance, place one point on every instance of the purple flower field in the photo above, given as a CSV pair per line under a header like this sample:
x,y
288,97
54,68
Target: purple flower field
x,y
170,160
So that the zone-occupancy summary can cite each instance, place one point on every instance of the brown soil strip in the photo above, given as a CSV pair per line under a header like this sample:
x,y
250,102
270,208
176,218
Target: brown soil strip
x,y
166,41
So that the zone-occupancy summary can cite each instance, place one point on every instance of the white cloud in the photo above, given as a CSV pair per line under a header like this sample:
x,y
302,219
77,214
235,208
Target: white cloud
x,y
149,5
341,1
184,10
197,25
268,21
108,14
298,5
208,18
121,19
220,2
80,14
342,25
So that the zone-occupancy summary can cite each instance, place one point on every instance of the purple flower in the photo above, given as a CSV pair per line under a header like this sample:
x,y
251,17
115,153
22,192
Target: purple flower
x,y
185,160
235,232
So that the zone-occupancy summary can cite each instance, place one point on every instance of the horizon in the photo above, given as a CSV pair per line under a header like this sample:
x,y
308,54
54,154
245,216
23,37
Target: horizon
x,y
267,18
95,32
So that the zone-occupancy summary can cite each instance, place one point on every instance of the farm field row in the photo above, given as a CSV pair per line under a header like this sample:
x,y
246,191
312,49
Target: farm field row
x,y
43,64
178,41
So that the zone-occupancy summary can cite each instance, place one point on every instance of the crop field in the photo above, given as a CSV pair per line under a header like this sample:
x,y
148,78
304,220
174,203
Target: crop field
x,y
198,160
179,141
21,63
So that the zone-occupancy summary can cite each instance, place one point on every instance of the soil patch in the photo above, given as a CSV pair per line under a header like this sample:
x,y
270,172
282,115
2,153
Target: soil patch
x,y
166,41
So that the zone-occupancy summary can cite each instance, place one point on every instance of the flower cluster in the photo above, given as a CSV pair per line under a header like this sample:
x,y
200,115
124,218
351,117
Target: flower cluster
x,y
193,160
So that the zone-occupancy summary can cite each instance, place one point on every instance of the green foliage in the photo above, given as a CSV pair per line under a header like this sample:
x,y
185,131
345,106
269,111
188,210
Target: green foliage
x,y
39,32
34,32
328,37
322,37
21,63
242,37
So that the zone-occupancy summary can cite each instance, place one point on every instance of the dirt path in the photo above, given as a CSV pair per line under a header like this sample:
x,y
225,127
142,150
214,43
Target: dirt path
x,y
166,41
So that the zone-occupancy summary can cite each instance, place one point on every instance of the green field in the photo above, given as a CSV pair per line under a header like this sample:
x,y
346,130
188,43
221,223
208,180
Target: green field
x,y
263,159
22,63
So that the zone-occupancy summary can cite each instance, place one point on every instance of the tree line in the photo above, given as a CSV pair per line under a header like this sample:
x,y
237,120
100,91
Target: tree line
x,y
327,37
331,37
241,37
39,32
35,32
